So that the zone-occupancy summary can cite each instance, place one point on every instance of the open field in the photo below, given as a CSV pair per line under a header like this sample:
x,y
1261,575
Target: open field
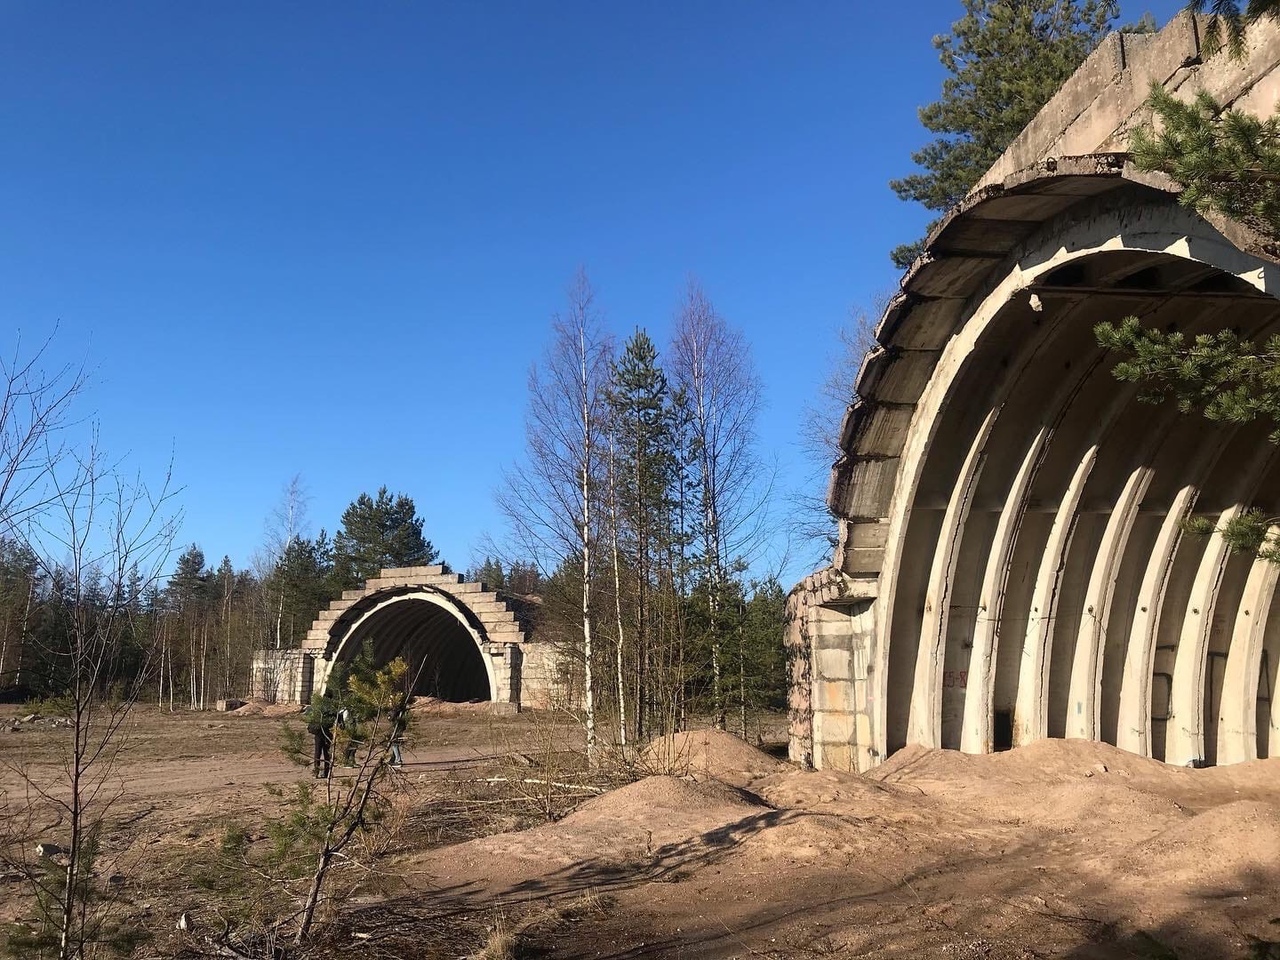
x,y
1061,849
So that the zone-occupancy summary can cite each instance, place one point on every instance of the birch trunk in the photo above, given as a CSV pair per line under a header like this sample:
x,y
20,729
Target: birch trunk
x,y
585,534
617,597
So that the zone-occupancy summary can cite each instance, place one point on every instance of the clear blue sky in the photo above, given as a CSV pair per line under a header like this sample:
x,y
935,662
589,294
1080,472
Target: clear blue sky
x,y
326,238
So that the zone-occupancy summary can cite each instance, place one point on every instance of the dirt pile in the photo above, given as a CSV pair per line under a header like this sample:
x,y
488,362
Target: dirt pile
x,y
656,823
434,705
709,753
1223,846
1101,805
825,839
261,708
1039,763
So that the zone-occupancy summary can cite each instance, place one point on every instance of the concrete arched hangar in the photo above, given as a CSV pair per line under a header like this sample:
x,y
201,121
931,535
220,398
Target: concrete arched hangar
x,y
1012,562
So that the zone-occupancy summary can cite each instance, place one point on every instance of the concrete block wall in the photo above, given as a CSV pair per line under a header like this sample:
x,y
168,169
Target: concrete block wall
x,y
283,676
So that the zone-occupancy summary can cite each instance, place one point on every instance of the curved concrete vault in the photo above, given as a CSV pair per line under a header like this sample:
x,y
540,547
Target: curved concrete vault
x,y
1012,563
461,640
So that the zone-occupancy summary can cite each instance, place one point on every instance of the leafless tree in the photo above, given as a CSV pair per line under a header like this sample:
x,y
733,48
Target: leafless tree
x,y
711,364
810,521
551,499
35,409
287,521
104,539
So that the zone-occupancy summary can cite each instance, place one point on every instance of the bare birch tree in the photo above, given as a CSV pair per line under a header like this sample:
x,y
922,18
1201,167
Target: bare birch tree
x,y
810,521
286,523
551,500
111,537
35,409
710,364
619,640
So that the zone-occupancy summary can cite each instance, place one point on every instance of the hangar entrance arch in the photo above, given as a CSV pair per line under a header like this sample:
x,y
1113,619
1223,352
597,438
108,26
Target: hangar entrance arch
x,y
446,656
1012,564
462,641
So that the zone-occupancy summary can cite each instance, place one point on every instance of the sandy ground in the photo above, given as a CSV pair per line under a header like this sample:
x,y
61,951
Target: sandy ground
x,y
1061,849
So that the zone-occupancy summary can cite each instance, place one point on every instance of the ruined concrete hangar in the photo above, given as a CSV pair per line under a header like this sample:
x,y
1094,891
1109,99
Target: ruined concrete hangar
x,y
1011,562
461,640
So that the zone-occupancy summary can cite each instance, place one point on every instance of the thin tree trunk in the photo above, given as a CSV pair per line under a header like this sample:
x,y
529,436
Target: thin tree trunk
x,y
160,681
22,633
642,625
4,648
68,947
169,644
192,679
617,598
742,680
588,680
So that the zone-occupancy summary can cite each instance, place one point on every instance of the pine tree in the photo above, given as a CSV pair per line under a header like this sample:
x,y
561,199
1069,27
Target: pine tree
x,y
1218,375
385,531
1227,18
302,580
1226,161
1005,58
644,440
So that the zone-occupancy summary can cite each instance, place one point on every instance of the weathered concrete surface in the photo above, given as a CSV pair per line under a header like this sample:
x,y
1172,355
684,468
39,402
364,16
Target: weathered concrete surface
x,y
462,641
1010,562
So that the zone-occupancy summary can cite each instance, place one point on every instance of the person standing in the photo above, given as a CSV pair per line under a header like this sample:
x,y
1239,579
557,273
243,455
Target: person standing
x,y
321,715
348,725
399,721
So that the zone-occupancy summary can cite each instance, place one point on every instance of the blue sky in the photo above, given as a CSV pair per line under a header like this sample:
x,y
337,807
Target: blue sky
x,y
326,239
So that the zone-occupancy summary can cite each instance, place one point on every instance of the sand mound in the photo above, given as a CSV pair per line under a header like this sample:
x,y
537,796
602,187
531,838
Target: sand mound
x,y
261,708
832,791
437,706
654,798
1224,845
280,709
914,761
1042,762
802,838
709,753
661,821
1098,804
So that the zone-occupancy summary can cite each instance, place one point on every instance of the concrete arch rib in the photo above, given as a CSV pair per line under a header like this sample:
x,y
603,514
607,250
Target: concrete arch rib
x,y
1084,722
1238,721
1133,724
977,734
1185,735
925,718
1030,713
925,723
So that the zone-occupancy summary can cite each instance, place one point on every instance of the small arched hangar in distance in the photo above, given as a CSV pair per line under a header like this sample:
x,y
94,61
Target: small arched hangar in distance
x,y
1012,562
462,641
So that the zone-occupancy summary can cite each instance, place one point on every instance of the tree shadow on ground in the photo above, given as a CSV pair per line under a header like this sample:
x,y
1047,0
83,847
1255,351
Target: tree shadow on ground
x,y
999,901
